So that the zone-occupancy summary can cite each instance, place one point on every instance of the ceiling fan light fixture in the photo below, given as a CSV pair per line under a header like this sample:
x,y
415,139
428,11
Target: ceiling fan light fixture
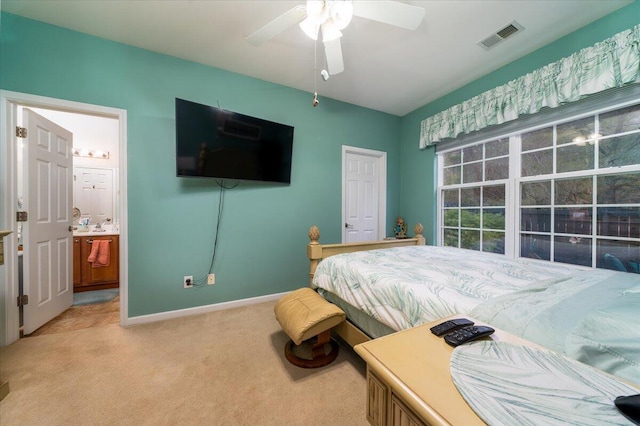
x,y
330,31
341,13
310,28
317,11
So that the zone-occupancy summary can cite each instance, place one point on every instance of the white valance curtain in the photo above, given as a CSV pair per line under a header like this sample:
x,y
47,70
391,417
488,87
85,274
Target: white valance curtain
x,y
611,63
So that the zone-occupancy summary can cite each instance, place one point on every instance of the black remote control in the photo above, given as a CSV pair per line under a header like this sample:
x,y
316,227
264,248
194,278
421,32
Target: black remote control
x,y
450,325
467,334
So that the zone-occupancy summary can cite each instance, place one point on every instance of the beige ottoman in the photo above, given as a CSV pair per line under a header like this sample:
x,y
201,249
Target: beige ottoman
x,y
304,314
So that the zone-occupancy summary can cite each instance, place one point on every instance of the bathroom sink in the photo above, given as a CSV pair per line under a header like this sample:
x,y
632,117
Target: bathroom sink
x,y
106,230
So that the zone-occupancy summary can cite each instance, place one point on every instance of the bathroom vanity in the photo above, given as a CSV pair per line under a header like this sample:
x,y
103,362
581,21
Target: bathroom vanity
x,y
85,276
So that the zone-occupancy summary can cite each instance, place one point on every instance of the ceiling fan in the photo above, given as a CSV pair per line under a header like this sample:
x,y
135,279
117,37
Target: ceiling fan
x,y
330,16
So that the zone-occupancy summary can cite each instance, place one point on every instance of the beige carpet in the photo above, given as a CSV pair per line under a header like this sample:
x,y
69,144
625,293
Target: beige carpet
x,y
221,368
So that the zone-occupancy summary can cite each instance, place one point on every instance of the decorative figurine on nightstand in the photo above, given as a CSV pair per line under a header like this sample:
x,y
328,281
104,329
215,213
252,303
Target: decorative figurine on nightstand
x,y
401,228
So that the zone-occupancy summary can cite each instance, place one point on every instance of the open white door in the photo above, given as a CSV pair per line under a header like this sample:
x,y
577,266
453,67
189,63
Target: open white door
x,y
48,247
364,194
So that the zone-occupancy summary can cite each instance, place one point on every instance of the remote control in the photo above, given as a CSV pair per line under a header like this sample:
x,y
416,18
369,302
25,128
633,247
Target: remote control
x,y
450,325
467,334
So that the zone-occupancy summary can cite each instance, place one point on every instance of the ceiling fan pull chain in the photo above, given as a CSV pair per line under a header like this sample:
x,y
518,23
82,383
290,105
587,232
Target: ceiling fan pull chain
x,y
315,66
315,102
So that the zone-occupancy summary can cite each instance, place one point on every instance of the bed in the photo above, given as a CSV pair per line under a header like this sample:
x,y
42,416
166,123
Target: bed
x,y
591,315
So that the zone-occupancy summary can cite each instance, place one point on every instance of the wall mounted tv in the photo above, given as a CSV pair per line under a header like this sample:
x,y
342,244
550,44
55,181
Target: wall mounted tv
x,y
212,142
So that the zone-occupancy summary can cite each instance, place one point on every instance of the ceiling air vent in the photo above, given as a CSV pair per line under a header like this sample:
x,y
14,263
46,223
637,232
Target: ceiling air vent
x,y
500,35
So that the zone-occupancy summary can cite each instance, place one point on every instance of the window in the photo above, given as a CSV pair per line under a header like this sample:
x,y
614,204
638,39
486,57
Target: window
x,y
474,196
575,186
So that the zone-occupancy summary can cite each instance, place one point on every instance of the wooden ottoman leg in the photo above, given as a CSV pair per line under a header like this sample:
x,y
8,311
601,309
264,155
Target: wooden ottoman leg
x,y
320,358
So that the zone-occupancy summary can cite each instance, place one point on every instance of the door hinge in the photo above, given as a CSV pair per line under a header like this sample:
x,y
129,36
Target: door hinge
x,y
21,132
21,216
23,300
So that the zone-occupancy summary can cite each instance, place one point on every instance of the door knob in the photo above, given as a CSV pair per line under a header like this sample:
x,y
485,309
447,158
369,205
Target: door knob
x,y
70,228
348,226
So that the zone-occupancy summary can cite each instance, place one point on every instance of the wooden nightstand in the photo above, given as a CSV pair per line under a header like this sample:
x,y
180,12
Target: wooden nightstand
x,y
408,379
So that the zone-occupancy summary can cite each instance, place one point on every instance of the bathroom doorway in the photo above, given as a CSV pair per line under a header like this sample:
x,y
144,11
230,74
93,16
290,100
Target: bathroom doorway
x,y
91,154
95,190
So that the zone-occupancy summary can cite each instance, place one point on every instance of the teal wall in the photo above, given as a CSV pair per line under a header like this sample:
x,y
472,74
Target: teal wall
x,y
417,171
172,220
263,232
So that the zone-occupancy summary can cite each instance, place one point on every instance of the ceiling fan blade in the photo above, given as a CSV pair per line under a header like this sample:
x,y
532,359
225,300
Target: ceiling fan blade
x,y
278,25
333,53
390,12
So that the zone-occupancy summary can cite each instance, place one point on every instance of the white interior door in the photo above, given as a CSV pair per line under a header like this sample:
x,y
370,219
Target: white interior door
x,y
93,193
48,248
363,201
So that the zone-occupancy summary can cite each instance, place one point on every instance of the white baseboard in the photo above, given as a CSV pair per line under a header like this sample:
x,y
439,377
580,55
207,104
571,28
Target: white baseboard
x,y
143,319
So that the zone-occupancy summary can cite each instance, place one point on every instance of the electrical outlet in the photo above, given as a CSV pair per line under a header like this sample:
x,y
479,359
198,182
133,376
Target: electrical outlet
x,y
188,281
211,279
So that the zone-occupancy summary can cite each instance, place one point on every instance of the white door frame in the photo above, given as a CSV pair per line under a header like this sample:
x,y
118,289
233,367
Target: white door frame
x,y
9,102
382,177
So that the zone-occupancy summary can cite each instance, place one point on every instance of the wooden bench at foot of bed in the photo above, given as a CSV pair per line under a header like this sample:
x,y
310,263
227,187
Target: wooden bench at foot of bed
x,y
316,252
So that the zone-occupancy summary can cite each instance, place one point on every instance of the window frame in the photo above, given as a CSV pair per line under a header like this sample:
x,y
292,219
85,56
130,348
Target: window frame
x,y
513,207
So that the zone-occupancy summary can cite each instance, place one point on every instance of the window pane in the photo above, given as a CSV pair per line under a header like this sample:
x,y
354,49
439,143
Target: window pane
x,y
535,246
451,217
536,220
452,175
574,191
538,139
573,221
470,197
450,197
493,219
579,130
470,239
496,169
573,250
574,157
619,221
496,148
472,173
620,151
493,195
493,242
619,121
470,218
472,153
618,255
453,157
537,163
619,189
451,237
535,193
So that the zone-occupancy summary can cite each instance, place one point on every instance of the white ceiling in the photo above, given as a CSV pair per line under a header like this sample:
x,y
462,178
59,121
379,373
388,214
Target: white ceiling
x,y
386,68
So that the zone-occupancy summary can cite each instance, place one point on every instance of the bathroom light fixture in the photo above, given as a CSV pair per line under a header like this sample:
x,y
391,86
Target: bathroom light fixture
x,y
90,153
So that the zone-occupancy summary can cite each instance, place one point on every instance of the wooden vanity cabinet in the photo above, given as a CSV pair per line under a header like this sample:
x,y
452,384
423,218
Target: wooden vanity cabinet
x,y
77,262
90,278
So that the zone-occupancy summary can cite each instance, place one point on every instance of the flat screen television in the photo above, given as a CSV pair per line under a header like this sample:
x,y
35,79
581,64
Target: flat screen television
x,y
215,143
